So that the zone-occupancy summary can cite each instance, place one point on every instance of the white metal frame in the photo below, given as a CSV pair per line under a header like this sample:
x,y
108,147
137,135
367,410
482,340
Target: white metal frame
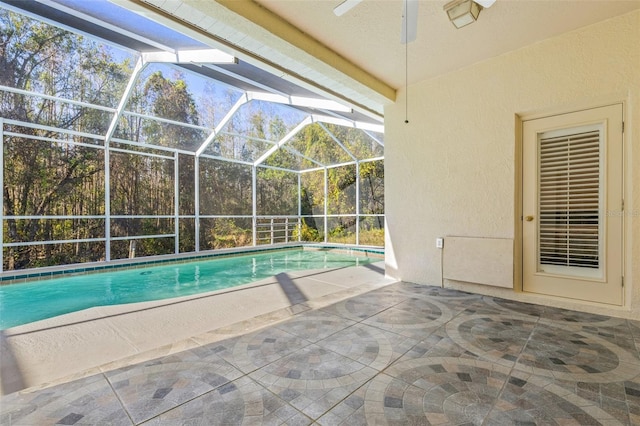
x,y
106,141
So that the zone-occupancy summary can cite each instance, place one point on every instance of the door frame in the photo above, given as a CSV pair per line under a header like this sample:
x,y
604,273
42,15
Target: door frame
x,y
520,118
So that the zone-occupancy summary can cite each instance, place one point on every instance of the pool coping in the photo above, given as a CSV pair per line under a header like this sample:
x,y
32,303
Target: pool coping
x,y
44,273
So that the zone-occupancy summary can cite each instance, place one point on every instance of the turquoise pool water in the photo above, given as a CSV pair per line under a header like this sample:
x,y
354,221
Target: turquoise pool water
x,y
36,300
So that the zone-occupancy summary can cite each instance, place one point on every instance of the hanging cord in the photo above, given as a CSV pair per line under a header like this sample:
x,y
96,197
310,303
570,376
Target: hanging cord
x,y
406,62
406,83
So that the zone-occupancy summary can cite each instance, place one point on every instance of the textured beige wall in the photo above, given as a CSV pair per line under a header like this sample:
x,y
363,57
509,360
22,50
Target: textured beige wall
x,y
452,169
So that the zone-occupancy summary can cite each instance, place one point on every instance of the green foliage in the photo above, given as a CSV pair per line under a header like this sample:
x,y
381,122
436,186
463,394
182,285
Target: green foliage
x,y
187,231
277,192
172,100
227,234
225,188
308,232
372,187
341,190
372,237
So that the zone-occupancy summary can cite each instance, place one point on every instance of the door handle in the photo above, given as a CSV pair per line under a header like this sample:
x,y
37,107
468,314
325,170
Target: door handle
x,y
528,218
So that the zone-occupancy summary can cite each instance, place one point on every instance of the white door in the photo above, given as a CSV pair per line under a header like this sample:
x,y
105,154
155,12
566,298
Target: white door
x,y
573,205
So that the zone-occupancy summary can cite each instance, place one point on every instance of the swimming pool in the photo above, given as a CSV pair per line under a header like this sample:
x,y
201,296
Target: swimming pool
x,y
36,300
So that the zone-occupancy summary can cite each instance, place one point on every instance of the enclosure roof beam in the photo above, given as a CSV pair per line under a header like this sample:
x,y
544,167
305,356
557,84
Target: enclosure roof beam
x,y
308,120
242,78
228,160
377,140
243,100
320,119
56,98
300,101
104,24
301,155
348,123
140,64
165,120
369,160
190,56
335,139
249,138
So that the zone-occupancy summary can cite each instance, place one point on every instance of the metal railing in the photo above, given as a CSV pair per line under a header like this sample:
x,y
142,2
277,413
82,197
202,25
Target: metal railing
x,y
277,229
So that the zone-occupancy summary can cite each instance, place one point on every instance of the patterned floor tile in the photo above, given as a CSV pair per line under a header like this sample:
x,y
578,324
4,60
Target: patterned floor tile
x,y
439,344
83,402
615,398
498,338
567,316
635,333
313,379
361,307
434,391
512,306
534,400
391,294
632,396
414,318
617,331
255,350
368,345
438,292
349,411
568,354
456,301
240,402
316,325
152,388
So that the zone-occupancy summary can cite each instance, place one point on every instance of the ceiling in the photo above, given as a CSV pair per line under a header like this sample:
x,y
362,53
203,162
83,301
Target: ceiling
x,y
369,34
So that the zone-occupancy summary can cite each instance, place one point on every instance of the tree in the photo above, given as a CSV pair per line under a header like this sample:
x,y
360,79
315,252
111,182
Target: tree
x,y
52,178
143,184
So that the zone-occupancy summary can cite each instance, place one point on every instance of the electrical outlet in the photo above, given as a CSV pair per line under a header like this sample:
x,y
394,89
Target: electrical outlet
x,y
439,243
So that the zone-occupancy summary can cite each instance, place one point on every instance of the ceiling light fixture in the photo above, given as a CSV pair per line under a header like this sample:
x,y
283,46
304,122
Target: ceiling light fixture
x,y
462,12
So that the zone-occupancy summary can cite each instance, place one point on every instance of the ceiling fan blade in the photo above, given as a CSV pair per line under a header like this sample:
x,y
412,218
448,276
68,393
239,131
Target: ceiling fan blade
x,y
485,3
409,30
345,6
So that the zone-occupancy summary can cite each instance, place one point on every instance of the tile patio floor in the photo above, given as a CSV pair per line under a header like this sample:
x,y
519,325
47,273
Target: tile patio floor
x,y
401,354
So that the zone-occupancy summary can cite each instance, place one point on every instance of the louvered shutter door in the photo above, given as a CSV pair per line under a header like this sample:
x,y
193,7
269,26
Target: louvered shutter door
x,y
569,231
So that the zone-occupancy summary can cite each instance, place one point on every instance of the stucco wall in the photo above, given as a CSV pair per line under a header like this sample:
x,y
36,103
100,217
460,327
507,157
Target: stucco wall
x,y
452,170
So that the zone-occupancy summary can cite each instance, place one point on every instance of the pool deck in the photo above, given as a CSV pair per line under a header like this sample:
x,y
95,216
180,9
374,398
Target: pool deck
x,y
80,344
